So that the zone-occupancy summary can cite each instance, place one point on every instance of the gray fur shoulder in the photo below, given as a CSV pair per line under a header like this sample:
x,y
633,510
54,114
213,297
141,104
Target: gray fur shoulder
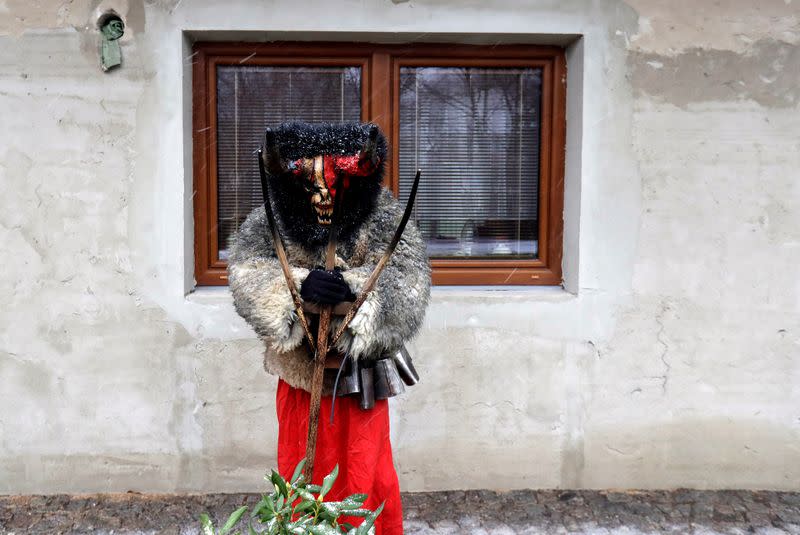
x,y
253,239
394,312
383,220
258,285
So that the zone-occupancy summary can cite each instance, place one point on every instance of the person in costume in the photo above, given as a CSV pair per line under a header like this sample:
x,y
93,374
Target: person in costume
x,y
310,166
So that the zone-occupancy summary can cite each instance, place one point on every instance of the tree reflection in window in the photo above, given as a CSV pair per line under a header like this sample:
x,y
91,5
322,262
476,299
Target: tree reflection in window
x,y
476,133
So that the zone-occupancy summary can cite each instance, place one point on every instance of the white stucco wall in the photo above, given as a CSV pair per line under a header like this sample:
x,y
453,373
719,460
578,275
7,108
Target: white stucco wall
x,y
670,359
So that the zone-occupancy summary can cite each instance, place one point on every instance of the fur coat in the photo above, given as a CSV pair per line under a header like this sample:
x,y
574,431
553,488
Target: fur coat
x,y
391,315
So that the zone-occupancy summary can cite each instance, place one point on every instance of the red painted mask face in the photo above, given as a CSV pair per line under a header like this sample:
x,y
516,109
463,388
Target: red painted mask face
x,y
325,175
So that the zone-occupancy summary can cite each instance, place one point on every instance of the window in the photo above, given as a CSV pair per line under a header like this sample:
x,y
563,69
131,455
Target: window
x,y
485,124
243,111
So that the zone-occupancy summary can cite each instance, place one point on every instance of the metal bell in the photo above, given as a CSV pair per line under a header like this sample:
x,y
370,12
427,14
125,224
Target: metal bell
x,y
367,387
349,382
387,380
405,367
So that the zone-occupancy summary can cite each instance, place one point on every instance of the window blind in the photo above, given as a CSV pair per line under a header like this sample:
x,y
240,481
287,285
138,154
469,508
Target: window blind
x,y
251,98
475,133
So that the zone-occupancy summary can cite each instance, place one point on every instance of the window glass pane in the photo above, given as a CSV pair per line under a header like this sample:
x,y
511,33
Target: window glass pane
x,y
474,132
250,98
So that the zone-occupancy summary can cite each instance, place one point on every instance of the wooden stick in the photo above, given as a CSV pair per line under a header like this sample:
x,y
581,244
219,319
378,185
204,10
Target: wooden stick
x,y
322,344
281,254
373,278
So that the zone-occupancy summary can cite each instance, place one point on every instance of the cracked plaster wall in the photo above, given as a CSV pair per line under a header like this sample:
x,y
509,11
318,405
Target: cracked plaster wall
x,y
671,361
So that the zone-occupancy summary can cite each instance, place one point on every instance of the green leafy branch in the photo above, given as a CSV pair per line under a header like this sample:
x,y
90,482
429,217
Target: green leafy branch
x,y
296,507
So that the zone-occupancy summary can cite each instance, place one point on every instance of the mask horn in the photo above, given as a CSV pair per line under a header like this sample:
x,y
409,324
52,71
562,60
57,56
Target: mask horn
x,y
370,151
272,155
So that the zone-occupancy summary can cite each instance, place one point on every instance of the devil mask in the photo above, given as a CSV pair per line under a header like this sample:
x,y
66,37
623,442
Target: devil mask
x,y
312,167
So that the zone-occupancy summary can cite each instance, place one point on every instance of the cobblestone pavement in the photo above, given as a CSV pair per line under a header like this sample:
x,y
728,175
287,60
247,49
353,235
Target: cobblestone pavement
x,y
452,512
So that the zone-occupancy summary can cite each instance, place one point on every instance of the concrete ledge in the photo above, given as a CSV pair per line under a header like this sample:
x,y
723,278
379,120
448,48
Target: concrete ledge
x,y
544,511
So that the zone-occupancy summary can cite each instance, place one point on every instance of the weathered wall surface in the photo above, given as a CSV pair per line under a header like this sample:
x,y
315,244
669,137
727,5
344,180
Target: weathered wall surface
x,y
671,359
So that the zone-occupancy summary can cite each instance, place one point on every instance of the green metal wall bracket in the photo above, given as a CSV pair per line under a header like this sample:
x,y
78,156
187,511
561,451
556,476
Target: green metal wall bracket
x,y
111,29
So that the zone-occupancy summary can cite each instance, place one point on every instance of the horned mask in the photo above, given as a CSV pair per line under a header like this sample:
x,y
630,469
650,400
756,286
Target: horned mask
x,y
310,165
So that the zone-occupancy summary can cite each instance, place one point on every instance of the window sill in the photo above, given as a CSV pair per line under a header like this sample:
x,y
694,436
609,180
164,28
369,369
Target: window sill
x,y
221,295
210,312
509,293
210,295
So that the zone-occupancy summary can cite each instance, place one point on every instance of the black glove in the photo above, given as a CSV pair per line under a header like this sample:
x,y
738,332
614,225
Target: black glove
x,y
325,288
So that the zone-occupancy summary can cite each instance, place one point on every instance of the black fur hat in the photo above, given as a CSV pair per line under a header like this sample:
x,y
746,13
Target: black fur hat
x,y
290,198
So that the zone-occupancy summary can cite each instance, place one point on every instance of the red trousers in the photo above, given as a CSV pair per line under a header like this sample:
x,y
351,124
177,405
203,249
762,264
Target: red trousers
x,y
358,441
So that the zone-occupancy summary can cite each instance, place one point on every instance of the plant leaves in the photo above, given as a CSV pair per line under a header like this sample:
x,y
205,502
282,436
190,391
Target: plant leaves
x,y
266,509
369,521
264,503
307,496
304,506
301,525
266,516
298,471
279,483
303,519
331,509
322,529
206,526
358,512
272,526
329,480
294,508
353,502
233,520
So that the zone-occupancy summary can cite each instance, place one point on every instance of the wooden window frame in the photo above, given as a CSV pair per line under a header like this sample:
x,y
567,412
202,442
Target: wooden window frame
x,y
380,103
